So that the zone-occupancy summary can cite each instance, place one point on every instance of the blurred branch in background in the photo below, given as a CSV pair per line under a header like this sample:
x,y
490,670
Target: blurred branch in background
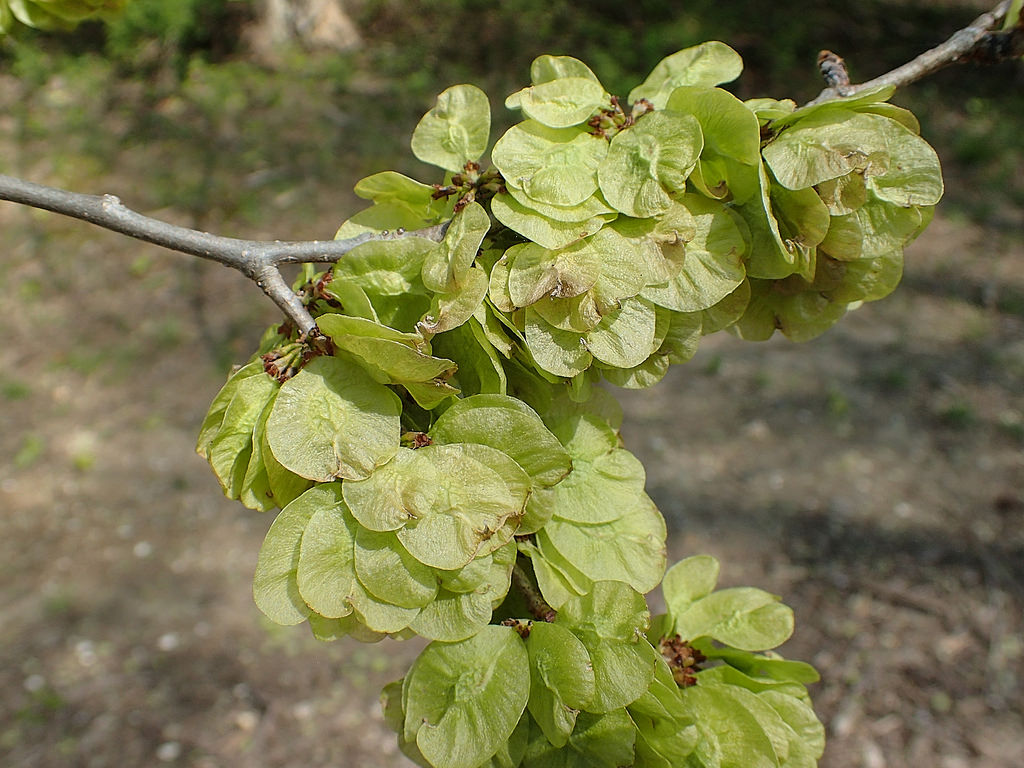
x,y
985,41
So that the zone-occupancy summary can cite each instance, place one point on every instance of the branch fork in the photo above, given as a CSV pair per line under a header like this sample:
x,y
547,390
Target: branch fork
x,y
258,260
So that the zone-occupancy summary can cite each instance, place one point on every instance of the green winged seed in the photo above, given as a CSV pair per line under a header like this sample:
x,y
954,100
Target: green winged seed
x,y
588,429
744,617
508,425
623,670
900,167
578,313
453,616
329,630
470,512
900,115
725,313
480,368
394,717
353,298
326,572
610,622
405,488
339,325
380,616
598,741
801,214
470,577
285,486
713,262
869,279
542,230
498,290
650,162
770,109
561,103
625,336
394,362
730,129
332,421
624,270
823,147
387,216
456,130
391,357
562,353
843,195
800,316
707,64
808,738
731,736
256,493
665,734
683,336
596,491
489,575
274,586
512,752
215,416
689,580
230,449
561,680
546,68
865,99
630,549
555,584
725,674
768,665
445,268
449,311
389,573
661,243
557,166
464,699
386,267
536,272
885,228
610,611
391,186
577,582
647,374
775,728
768,257
588,209
914,176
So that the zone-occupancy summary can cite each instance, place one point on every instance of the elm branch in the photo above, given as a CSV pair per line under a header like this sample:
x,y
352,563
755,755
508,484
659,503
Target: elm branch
x,y
258,260
982,42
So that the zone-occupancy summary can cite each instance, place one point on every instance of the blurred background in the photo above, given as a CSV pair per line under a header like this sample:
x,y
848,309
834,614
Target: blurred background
x,y
873,477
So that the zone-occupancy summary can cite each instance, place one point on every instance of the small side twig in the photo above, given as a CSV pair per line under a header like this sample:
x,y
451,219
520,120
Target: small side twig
x,y
535,602
258,260
981,41
833,70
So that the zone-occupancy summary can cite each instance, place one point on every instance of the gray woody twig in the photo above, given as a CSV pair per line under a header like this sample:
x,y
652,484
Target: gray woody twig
x,y
970,43
258,260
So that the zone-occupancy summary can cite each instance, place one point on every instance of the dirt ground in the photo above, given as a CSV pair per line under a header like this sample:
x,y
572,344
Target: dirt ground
x,y
873,477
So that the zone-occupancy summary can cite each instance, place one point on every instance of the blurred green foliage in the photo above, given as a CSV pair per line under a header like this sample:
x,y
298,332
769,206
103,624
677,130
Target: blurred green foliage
x,y
152,33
